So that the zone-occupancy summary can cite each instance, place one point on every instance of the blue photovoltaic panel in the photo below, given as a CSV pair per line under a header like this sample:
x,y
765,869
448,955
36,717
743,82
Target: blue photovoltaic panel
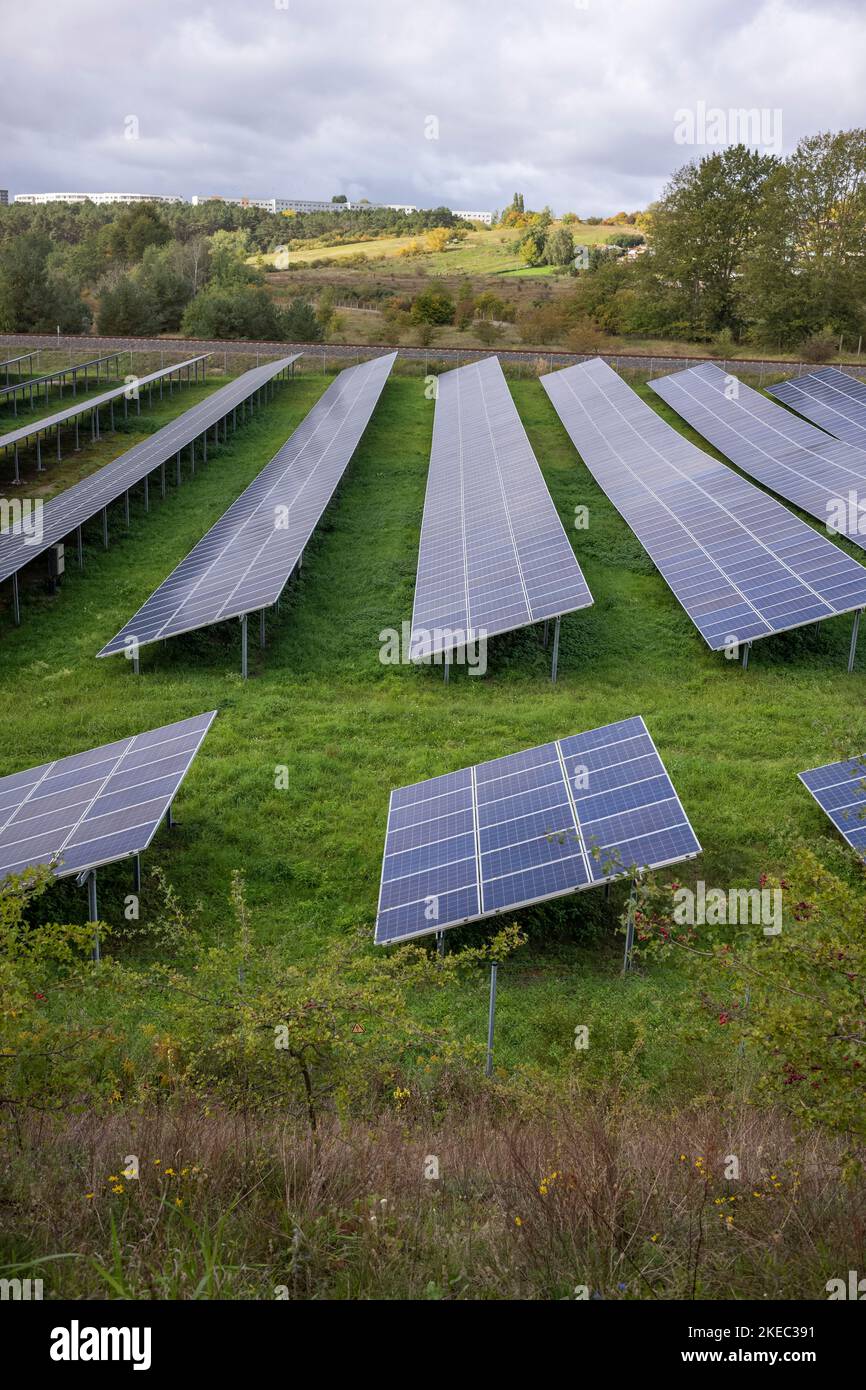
x,y
740,563
95,807
778,449
493,555
840,790
533,825
62,514
245,560
829,398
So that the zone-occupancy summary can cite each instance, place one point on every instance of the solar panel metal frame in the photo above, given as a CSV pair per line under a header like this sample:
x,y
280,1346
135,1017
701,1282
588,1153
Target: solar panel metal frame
x,y
538,787
831,780
686,475
48,422
780,450
68,772
79,503
490,530
369,377
831,399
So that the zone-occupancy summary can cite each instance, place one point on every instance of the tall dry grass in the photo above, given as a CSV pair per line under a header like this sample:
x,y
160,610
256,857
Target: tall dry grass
x,y
631,1205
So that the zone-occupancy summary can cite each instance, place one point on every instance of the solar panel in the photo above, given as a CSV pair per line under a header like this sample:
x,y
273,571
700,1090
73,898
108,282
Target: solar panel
x,y
48,422
93,808
78,504
740,564
556,819
493,555
246,559
840,791
71,370
829,398
780,450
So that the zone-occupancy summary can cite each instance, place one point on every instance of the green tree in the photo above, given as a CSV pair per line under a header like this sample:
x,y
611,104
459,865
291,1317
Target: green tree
x,y
34,299
127,307
558,247
703,230
299,323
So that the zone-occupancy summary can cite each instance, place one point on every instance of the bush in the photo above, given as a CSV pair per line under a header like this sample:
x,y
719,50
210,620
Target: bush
x,y
818,348
247,312
433,306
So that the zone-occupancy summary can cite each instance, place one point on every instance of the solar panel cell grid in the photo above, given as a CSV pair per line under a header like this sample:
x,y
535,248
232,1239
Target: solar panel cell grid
x,y
493,553
787,454
840,791
96,806
519,829
244,562
741,565
829,398
62,514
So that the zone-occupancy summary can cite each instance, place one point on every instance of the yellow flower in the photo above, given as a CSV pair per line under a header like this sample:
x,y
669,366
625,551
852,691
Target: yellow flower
x,y
89,1196
118,1187
517,1221
655,1237
178,1201
169,1172
112,1177
157,1160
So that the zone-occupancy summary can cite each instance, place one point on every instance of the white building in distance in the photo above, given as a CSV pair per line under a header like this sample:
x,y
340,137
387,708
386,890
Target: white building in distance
x,y
99,198
321,205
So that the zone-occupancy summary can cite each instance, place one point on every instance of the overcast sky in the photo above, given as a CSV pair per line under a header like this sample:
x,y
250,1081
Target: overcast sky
x,y
572,102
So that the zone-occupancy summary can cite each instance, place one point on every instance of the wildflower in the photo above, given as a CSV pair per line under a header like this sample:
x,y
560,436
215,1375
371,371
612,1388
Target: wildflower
x,y
112,1177
655,1237
169,1172
118,1187
178,1201
89,1196
518,1221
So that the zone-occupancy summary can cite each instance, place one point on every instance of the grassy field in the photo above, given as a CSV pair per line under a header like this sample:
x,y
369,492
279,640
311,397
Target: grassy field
x,y
482,253
348,728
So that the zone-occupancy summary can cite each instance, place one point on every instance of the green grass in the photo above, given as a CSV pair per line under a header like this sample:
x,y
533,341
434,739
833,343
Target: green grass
x,y
348,728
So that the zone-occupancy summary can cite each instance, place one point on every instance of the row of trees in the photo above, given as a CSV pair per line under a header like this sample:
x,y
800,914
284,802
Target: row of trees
x,y
751,246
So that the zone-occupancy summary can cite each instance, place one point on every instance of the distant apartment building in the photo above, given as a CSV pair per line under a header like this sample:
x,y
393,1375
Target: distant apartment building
x,y
99,198
300,204
4,195
485,217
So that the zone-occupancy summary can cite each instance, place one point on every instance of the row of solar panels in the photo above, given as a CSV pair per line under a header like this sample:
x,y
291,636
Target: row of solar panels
x,y
468,845
490,838
493,554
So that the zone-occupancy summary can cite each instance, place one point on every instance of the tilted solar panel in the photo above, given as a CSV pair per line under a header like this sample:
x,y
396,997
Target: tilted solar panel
x,y
840,791
740,563
493,555
59,417
783,452
70,509
95,807
245,560
829,398
552,820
